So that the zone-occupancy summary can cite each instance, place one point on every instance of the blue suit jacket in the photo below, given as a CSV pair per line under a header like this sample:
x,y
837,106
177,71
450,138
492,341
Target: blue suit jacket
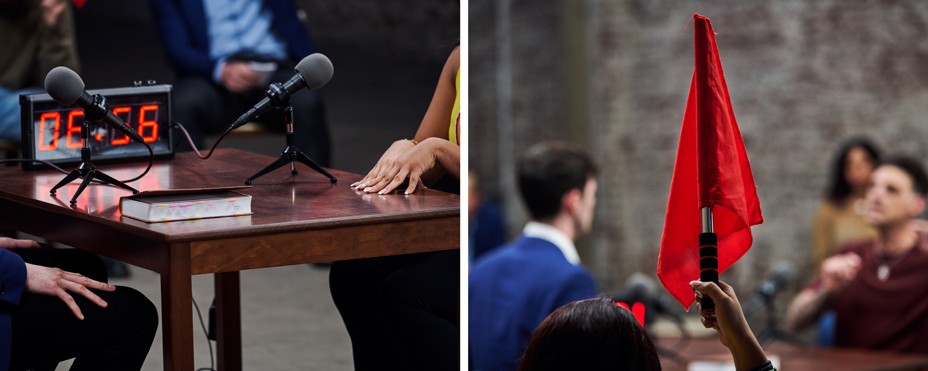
x,y
513,289
183,29
12,286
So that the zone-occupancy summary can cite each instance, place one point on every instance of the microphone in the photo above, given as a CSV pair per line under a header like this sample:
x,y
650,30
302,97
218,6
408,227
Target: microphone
x,y
313,72
639,288
67,89
779,277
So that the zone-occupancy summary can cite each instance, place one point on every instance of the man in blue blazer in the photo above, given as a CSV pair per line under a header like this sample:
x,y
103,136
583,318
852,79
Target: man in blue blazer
x,y
513,288
225,53
49,314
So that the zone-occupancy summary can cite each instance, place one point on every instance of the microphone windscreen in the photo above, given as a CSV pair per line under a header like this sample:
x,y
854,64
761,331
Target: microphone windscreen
x,y
316,70
782,273
64,85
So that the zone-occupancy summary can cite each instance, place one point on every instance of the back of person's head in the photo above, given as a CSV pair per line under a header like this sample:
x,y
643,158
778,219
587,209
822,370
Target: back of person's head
x,y
547,171
592,334
914,169
839,187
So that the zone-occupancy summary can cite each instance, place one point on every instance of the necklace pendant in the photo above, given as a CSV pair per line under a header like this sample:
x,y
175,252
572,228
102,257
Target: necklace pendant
x,y
882,272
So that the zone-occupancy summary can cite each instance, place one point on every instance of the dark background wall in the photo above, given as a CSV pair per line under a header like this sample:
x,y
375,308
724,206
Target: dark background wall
x,y
387,57
613,76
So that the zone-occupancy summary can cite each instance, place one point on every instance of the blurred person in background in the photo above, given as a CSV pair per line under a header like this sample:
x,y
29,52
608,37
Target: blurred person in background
x,y
487,230
514,287
38,35
840,217
225,53
876,287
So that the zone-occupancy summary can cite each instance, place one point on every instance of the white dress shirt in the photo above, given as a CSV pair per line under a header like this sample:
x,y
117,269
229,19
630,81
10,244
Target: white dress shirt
x,y
553,235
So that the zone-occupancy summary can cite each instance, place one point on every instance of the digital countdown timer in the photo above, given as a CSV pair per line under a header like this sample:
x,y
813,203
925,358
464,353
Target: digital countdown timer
x,y
52,132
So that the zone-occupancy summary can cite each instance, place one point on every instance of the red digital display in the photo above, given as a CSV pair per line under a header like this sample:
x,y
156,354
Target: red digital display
x,y
52,132
51,125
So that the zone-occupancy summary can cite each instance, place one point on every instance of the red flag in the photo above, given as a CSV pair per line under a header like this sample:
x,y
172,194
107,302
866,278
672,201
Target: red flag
x,y
711,169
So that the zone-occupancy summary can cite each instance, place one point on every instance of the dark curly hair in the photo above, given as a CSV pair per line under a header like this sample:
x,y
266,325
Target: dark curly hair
x,y
839,189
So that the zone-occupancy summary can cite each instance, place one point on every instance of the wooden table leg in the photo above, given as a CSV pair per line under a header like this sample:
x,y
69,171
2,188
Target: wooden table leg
x,y
176,304
228,321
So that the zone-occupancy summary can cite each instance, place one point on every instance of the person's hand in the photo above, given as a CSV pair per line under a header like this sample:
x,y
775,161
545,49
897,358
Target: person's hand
x,y
411,165
838,271
237,77
9,243
728,320
386,163
56,282
51,11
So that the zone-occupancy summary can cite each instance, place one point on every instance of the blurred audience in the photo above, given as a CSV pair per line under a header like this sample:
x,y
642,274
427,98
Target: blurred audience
x,y
840,217
38,35
487,230
513,288
876,287
225,53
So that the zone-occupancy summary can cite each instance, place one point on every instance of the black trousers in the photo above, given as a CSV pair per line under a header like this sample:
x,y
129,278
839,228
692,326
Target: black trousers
x,y
204,107
400,311
46,332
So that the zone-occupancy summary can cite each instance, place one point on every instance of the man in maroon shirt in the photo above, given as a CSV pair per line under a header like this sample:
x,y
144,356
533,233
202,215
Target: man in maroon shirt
x,y
878,289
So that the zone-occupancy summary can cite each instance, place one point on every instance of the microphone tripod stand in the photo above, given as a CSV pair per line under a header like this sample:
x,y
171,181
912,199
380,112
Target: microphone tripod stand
x,y
86,170
291,154
773,331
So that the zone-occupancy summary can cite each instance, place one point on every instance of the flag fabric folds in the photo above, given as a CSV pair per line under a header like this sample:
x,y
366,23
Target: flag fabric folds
x,y
711,169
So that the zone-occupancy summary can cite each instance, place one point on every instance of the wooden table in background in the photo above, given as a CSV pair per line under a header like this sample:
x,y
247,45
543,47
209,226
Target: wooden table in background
x,y
296,220
791,357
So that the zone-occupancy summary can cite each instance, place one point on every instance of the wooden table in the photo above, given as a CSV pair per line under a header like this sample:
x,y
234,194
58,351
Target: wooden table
x,y
791,357
297,219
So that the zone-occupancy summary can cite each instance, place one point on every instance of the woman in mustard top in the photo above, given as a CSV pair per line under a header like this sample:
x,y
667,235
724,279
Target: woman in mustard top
x,y
840,217
402,311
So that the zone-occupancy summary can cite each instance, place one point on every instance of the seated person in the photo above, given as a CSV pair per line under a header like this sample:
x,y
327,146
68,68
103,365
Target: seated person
x,y
42,322
219,49
39,36
402,312
487,228
514,287
596,334
840,217
876,288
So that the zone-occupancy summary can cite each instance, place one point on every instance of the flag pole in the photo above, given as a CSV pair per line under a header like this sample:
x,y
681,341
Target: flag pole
x,y
708,255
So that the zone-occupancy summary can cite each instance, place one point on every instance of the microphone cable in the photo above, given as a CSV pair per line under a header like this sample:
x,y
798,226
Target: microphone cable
x,y
212,361
179,125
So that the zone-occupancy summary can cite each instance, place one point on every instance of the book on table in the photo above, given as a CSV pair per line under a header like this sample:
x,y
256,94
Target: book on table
x,y
185,204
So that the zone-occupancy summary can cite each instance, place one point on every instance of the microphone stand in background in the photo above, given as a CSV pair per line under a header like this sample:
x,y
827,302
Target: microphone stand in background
x,y
772,330
291,154
779,278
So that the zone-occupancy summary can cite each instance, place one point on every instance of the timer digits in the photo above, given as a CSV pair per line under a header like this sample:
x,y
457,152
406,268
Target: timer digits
x,y
52,132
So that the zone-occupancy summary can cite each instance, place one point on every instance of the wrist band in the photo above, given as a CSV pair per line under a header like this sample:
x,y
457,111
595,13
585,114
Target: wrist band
x,y
765,367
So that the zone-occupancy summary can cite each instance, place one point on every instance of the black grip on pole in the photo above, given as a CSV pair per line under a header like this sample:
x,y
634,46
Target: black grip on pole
x,y
708,264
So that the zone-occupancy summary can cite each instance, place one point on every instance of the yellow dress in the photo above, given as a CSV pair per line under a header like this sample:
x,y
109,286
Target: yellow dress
x,y
454,129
